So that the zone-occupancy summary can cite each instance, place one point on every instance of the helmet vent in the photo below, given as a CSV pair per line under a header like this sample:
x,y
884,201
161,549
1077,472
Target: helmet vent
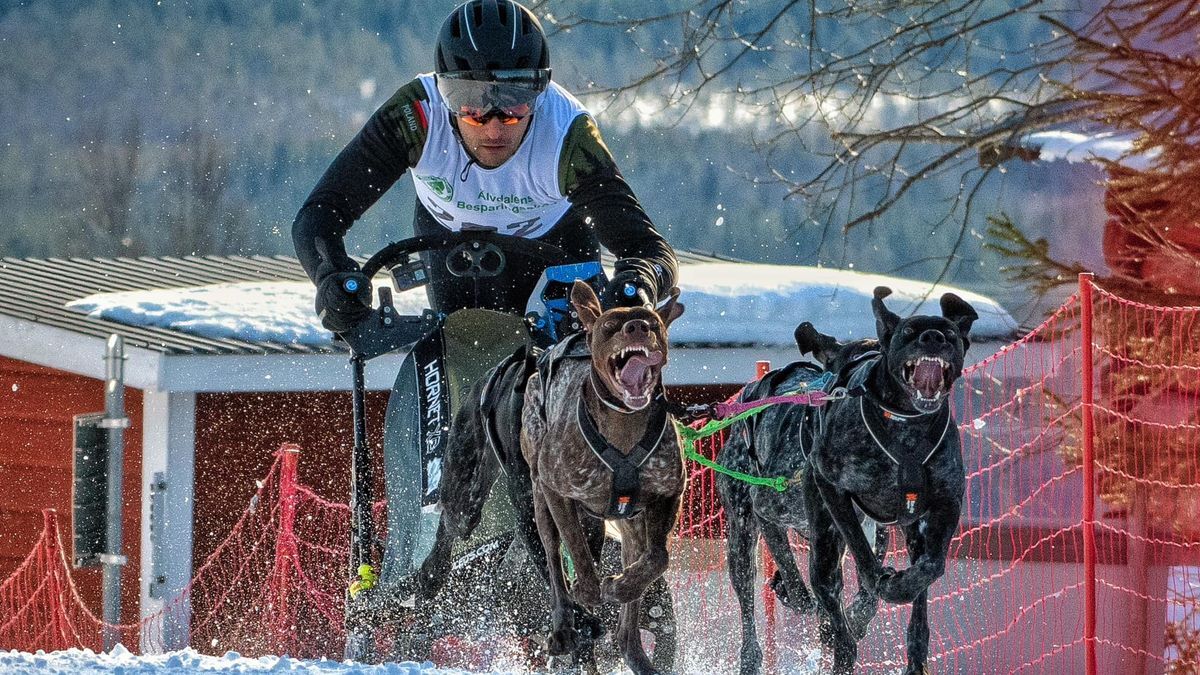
x,y
502,10
526,24
461,64
477,11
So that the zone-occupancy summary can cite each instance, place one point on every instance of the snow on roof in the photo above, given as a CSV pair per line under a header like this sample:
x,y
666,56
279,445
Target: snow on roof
x,y
1076,147
727,304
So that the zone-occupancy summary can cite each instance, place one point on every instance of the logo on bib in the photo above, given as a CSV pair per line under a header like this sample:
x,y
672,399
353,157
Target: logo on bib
x,y
440,187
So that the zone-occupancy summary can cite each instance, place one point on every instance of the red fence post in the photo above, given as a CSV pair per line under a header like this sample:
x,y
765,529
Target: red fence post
x,y
761,368
286,553
1089,479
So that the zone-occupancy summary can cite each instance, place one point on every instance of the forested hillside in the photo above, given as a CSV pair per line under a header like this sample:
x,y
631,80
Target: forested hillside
x,y
137,128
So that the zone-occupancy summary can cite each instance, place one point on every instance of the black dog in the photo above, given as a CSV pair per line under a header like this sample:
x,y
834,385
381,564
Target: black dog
x,y
765,445
890,450
484,441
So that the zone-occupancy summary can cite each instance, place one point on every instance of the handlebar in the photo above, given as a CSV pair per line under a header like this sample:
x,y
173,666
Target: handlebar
x,y
399,251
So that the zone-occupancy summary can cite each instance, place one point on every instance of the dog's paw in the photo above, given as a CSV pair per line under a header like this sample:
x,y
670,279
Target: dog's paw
x,y
620,589
800,601
750,662
590,626
586,591
859,613
896,588
562,642
871,581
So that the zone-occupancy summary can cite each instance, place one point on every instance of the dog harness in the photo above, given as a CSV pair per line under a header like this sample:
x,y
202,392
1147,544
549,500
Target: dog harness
x,y
491,397
912,477
626,468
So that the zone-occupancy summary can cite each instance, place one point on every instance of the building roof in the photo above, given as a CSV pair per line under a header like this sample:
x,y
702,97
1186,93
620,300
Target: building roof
x,y
738,314
38,290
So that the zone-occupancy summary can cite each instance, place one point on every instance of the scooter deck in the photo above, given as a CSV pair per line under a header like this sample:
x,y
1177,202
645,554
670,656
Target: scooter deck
x,y
431,385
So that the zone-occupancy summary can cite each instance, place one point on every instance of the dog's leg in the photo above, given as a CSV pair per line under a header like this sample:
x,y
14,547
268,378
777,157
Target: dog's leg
x,y
865,604
586,589
845,519
468,473
826,547
656,522
917,636
658,616
520,495
787,583
563,638
741,541
937,528
629,636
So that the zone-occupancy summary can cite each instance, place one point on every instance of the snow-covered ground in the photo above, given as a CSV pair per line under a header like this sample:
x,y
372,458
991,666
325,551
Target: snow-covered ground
x,y
727,304
121,662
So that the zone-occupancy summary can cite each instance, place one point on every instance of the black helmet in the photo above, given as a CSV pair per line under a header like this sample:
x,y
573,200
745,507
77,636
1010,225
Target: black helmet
x,y
491,54
489,35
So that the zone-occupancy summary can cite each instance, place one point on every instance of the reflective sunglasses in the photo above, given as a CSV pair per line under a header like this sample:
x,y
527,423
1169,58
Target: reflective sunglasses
x,y
477,93
478,117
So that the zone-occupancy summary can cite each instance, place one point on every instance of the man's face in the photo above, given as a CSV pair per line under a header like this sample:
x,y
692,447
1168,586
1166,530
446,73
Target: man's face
x,y
493,143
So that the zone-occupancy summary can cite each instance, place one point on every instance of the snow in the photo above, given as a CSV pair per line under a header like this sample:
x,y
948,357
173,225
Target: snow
x,y
1076,147
727,304
121,661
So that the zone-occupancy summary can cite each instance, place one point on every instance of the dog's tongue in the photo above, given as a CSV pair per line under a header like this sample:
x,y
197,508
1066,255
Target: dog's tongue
x,y
633,373
927,378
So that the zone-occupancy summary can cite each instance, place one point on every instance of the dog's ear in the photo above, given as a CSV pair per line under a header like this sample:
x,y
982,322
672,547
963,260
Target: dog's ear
x,y
885,319
672,310
812,341
586,304
961,313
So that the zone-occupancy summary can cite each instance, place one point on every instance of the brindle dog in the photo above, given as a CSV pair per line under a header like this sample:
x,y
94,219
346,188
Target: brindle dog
x,y
598,441
892,451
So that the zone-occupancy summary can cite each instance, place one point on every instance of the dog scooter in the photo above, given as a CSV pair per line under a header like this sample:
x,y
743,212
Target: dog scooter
x,y
446,355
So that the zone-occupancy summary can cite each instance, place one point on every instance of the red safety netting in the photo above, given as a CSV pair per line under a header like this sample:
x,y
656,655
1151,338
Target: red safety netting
x,y
1077,552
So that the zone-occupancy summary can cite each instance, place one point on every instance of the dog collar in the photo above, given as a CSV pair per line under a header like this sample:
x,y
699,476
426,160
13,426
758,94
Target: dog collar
x,y
626,469
608,400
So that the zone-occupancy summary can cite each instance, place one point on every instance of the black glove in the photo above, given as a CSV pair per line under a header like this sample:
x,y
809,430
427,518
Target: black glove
x,y
343,300
628,288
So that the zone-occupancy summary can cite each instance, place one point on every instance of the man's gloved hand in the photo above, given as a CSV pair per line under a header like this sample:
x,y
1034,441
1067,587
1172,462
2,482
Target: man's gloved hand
x,y
343,300
628,287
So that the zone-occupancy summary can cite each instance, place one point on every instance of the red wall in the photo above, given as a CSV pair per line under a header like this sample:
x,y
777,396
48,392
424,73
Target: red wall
x,y
236,439
36,464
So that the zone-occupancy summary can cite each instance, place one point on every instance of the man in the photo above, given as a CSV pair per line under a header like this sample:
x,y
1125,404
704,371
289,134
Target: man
x,y
492,144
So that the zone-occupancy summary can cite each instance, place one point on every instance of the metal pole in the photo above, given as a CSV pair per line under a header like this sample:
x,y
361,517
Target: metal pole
x,y
362,479
360,635
115,422
1089,479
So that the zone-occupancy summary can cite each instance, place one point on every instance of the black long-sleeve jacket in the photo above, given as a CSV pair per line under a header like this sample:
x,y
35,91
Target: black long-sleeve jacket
x,y
603,209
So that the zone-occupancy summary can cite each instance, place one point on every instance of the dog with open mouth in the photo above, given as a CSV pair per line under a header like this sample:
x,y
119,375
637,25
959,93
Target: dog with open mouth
x,y
599,442
890,450
765,445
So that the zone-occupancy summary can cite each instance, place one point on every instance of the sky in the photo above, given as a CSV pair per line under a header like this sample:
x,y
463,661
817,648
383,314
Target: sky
x,y
726,303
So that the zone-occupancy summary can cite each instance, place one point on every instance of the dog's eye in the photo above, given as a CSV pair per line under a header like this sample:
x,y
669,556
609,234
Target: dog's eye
x,y
908,331
610,325
952,334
